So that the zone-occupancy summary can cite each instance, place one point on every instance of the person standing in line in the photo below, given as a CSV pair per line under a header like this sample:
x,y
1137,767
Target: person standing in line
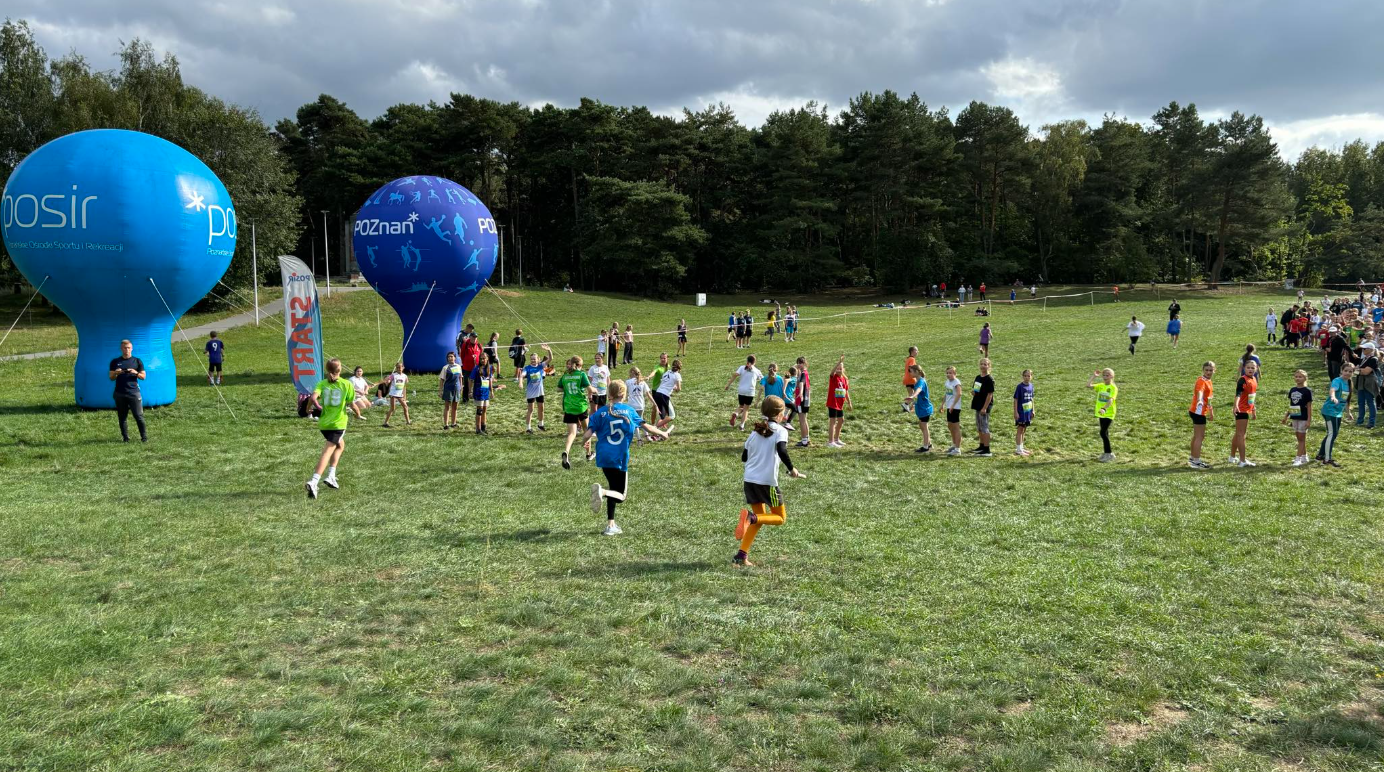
x,y
951,402
1023,412
922,407
333,396
1246,392
1200,412
215,349
982,398
534,374
518,348
730,328
910,378
982,292
682,337
838,402
1135,329
1366,383
1334,407
1299,414
802,401
448,390
1107,394
629,344
471,355
127,371
1271,322
398,393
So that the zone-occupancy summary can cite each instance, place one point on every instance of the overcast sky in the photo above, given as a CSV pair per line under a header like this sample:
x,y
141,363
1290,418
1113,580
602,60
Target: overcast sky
x,y
1313,70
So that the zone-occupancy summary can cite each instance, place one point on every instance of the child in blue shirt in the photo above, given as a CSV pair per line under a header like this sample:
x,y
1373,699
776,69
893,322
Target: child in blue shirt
x,y
1023,412
773,384
1336,404
215,349
922,406
614,426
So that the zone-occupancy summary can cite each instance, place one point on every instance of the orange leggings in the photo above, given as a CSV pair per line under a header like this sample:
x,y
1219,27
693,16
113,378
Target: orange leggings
x,y
763,516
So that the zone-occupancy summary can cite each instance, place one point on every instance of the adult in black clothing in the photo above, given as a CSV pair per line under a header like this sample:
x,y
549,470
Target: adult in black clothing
x,y
1283,325
127,371
1338,352
1173,310
518,349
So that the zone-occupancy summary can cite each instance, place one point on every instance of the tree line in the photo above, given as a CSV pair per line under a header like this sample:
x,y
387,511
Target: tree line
x,y
888,192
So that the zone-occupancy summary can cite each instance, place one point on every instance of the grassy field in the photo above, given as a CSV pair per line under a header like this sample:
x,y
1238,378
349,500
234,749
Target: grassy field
x,y
182,605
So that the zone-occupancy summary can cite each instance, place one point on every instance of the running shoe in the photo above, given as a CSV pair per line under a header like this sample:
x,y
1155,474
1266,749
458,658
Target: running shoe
x,y
596,498
1299,460
954,451
1247,463
923,449
331,482
565,463
590,456
804,443
985,454
312,489
611,529
1331,462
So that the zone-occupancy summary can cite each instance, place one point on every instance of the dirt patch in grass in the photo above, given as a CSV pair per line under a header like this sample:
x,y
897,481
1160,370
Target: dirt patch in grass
x,y
1017,708
1162,716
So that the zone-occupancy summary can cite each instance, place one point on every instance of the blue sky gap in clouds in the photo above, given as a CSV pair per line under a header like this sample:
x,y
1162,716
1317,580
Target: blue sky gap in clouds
x,y
1312,70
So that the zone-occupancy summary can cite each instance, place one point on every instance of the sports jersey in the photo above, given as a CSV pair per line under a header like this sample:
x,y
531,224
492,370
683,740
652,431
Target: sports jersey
x,y
773,386
533,380
922,404
1201,398
1106,394
762,462
1175,327
573,385
635,391
749,376
598,375
485,382
1246,389
1135,329
983,387
214,349
451,376
1335,409
1300,400
790,387
1023,396
657,377
802,395
671,380
984,336
334,398
951,399
398,384
909,378
837,388
614,427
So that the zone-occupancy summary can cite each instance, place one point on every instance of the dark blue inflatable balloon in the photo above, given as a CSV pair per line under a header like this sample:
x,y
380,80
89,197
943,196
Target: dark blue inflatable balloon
x,y
422,234
101,213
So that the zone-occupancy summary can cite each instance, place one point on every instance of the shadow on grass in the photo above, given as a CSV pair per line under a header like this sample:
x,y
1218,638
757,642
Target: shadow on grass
x,y
636,569
460,539
1332,731
39,409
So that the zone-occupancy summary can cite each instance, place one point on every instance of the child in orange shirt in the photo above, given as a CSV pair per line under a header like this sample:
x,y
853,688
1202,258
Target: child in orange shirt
x,y
1246,390
1200,411
910,381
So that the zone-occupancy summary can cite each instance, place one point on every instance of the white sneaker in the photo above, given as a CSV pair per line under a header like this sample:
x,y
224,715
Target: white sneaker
x,y
596,498
1300,461
904,405
1105,458
331,482
1234,460
954,451
611,529
312,489
1246,463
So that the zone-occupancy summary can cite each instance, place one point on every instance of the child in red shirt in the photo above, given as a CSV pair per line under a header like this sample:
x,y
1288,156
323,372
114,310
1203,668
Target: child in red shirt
x,y
838,400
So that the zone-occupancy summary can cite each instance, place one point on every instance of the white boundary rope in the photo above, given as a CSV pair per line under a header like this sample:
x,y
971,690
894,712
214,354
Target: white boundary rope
x,y
415,321
22,310
192,348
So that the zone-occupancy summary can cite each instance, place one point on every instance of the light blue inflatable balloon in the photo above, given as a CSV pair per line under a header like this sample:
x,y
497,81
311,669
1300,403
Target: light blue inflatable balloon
x,y
428,246
97,215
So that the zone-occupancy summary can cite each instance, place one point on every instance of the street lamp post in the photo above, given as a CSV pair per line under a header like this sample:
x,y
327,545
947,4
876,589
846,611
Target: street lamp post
x,y
502,255
254,269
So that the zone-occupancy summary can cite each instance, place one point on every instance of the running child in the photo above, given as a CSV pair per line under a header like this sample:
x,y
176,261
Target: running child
x,y
534,373
1174,329
1023,412
1246,390
765,449
654,380
985,336
1334,407
599,375
449,390
748,376
637,393
613,427
1135,330
216,348
398,393
922,407
576,389
1299,414
668,385
333,396
1107,395
1200,411
951,402
838,402
982,399
909,378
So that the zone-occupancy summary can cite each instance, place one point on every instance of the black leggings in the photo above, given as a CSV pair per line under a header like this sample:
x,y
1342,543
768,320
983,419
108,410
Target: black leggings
x,y
1105,433
126,404
617,481
629,353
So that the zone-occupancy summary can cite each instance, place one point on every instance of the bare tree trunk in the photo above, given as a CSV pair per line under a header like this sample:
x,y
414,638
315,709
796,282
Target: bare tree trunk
x,y
1223,228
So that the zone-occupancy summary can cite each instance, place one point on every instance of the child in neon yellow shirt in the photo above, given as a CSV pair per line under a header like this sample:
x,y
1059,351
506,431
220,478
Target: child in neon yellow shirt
x,y
1106,406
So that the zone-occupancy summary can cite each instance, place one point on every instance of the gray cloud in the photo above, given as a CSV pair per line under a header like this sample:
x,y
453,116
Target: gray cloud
x,y
1294,63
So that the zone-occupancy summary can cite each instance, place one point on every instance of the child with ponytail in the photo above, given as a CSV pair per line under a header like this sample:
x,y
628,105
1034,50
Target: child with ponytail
x,y
766,447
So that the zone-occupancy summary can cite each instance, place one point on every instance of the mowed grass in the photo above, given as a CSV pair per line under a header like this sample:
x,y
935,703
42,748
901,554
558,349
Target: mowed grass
x,y
182,605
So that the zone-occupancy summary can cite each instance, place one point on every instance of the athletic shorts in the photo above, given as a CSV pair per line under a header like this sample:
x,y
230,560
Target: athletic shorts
x,y
802,408
746,401
213,367
1300,425
953,416
768,495
982,422
925,418
1242,416
663,405
333,435
451,393
536,400
573,418
908,388
835,413
1024,424
599,400
1197,420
